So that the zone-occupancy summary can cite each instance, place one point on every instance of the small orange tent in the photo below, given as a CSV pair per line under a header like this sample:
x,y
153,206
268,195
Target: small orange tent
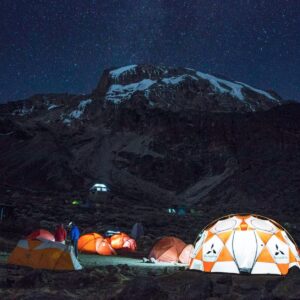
x,y
95,243
43,254
167,249
123,241
41,233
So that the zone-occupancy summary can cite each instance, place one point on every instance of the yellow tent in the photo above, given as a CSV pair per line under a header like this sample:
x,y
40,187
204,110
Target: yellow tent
x,y
44,254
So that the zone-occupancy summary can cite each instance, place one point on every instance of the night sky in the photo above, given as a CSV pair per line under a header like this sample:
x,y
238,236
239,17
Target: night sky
x,y
64,45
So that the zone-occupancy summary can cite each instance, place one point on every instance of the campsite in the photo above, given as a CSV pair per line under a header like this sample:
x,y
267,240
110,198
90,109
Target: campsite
x,y
127,274
149,149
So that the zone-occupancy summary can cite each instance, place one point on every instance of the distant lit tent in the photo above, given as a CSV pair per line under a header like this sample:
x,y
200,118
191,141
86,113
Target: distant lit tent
x,y
44,254
245,243
99,188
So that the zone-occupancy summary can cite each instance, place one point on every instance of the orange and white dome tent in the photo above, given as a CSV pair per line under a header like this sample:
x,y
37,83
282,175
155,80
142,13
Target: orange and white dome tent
x,y
245,244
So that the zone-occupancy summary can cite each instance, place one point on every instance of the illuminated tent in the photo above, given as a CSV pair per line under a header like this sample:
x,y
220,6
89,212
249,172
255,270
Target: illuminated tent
x,y
99,187
245,244
41,233
123,241
44,254
169,249
95,243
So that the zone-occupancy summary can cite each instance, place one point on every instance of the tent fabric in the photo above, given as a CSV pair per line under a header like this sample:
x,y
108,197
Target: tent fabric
x,y
130,245
95,243
245,244
44,254
117,240
167,249
41,233
185,256
137,231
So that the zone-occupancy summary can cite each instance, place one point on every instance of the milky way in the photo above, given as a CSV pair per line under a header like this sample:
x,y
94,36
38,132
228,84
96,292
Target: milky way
x,y
63,46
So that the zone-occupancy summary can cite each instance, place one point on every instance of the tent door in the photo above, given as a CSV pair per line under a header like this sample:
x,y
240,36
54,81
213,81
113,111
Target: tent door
x,y
244,246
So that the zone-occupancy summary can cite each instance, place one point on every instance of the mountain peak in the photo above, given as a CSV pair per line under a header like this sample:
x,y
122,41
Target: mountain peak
x,y
177,88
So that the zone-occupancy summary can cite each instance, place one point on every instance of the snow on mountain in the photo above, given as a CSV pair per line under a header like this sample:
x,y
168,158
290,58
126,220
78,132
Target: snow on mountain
x,y
258,91
177,79
77,113
23,111
160,84
117,92
53,106
116,73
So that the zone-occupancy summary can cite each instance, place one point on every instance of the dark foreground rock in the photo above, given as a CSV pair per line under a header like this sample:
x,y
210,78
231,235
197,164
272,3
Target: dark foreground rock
x,y
113,282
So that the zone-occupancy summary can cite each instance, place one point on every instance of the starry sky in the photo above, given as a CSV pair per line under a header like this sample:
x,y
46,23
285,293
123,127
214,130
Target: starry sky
x,y
64,45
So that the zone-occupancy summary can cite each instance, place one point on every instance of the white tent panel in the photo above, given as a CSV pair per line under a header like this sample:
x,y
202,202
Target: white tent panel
x,y
197,265
244,249
225,266
265,268
224,225
279,250
212,249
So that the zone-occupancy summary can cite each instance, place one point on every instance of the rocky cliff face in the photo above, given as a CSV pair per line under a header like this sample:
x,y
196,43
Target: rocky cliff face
x,y
158,135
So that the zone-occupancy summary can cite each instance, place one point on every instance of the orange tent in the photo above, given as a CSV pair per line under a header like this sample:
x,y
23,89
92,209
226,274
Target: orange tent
x,y
245,243
130,245
43,254
95,243
167,249
41,233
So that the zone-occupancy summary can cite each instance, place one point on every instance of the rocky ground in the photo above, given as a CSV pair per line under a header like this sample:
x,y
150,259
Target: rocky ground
x,y
137,282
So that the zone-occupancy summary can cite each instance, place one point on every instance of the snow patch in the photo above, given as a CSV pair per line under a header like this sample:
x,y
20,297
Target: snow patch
x,y
52,106
177,79
67,121
76,114
23,111
233,88
118,92
116,73
223,86
266,94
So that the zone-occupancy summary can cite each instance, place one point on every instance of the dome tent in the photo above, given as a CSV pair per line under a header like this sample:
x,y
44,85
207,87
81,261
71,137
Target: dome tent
x,y
44,254
41,233
95,243
123,241
245,243
171,249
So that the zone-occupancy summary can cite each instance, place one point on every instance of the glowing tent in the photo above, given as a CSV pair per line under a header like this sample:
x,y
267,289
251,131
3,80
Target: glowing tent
x,y
167,249
44,254
123,241
41,233
95,243
245,244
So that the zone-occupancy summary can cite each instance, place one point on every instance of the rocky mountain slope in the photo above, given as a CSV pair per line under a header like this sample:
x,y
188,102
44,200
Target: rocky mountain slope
x,y
161,135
